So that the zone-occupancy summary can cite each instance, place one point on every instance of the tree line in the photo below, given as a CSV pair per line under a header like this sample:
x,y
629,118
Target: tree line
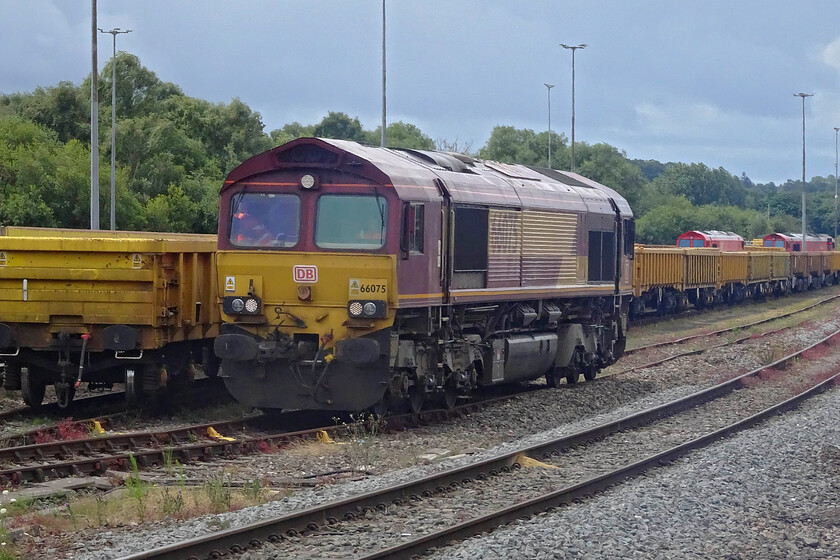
x,y
173,152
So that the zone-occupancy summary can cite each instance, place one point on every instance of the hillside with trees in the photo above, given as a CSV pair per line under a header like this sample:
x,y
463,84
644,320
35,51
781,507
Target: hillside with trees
x,y
173,152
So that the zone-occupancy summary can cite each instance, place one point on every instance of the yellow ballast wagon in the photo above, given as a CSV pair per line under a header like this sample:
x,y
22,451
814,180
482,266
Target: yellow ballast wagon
x,y
102,307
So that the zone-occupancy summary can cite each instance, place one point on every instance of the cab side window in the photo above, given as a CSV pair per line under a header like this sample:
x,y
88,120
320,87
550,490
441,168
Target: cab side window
x,y
416,225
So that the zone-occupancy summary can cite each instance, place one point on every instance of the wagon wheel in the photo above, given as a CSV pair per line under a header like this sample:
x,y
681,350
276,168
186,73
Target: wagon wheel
x,y
572,375
133,384
32,387
590,371
11,377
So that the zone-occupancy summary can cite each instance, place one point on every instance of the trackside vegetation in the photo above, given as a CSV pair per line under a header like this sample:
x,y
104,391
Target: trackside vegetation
x,y
173,151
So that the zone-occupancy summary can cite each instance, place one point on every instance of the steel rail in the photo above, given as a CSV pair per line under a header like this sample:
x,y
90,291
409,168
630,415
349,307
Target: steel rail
x,y
730,329
697,351
238,539
97,454
588,487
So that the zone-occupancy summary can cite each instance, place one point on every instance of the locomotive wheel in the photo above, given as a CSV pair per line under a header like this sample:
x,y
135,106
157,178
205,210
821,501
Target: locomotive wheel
x,y
32,387
450,396
380,408
554,376
416,399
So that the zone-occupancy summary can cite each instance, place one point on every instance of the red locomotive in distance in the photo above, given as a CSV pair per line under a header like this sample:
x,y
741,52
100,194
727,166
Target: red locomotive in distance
x,y
723,240
793,242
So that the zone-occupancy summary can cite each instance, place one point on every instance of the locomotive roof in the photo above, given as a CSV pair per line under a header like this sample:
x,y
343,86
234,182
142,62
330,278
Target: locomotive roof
x,y
423,174
714,234
798,236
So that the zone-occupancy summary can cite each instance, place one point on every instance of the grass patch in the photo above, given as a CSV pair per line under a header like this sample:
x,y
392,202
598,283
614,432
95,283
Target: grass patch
x,y
121,507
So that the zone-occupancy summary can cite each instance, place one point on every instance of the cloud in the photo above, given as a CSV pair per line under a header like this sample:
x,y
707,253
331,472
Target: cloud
x,y
830,54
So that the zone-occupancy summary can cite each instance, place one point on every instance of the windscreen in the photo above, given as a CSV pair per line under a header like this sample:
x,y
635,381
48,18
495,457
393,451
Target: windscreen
x,y
264,220
351,222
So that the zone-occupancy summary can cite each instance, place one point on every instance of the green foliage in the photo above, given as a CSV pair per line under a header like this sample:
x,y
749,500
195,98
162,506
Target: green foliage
x,y
512,145
219,493
173,152
138,489
608,166
291,131
675,215
701,185
402,135
341,127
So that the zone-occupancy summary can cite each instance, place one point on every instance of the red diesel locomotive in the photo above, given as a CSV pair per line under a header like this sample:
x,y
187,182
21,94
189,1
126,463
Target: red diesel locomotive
x,y
357,277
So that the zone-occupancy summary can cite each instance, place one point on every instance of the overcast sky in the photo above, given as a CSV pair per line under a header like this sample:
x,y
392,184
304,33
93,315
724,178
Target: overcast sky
x,y
708,81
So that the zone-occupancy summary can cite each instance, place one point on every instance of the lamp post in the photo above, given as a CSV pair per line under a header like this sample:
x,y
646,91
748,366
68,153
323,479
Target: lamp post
x,y
803,96
548,87
382,141
94,127
115,31
836,129
573,48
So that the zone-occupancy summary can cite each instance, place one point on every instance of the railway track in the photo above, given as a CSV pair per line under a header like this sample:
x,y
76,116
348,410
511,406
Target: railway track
x,y
571,467
102,408
712,334
93,455
187,444
727,330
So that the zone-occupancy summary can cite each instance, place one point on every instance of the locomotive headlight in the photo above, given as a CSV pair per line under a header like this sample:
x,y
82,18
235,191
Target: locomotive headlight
x,y
368,309
242,305
252,305
307,181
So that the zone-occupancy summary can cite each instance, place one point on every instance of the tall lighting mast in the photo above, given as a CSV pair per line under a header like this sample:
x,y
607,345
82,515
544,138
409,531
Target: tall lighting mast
x,y
383,139
803,96
94,128
115,31
573,48
836,129
548,87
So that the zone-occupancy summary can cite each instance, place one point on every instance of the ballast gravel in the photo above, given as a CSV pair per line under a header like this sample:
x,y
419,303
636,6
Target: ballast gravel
x,y
770,492
524,417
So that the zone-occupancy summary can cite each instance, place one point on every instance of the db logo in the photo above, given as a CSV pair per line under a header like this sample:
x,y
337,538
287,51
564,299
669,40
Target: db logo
x,y
305,273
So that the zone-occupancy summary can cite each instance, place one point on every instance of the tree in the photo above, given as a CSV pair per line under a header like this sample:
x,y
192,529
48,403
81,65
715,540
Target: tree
x,y
291,131
701,185
605,164
341,127
139,90
402,135
64,109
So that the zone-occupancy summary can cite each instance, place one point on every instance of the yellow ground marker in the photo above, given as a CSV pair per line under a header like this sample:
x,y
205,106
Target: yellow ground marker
x,y
527,463
97,428
211,431
323,437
